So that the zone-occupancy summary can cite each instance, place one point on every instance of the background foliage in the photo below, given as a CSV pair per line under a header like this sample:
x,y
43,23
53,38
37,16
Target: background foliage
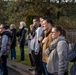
x,y
15,11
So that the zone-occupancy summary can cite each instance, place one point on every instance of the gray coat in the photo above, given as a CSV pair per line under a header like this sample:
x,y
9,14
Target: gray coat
x,y
5,42
34,45
58,58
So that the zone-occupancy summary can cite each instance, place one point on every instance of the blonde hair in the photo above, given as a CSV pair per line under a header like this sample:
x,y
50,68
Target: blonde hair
x,y
13,26
31,25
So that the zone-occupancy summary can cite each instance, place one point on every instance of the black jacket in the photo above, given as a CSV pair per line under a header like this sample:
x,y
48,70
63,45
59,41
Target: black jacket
x,y
21,34
13,38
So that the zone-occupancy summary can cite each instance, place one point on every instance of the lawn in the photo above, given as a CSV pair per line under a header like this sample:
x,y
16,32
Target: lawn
x,y
27,61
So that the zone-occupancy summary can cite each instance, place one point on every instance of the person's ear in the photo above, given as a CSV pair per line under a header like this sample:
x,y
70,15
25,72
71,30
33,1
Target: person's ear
x,y
59,33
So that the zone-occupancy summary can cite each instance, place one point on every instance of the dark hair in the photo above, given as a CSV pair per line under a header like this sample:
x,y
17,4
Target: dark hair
x,y
44,17
64,33
49,20
6,27
37,19
61,30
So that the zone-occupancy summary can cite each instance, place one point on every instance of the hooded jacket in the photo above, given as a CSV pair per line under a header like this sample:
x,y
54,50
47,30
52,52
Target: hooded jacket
x,y
5,42
58,58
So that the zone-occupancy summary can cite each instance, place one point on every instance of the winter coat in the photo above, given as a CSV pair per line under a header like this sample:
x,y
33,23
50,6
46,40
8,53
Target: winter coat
x,y
13,38
5,42
58,58
21,33
35,45
45,45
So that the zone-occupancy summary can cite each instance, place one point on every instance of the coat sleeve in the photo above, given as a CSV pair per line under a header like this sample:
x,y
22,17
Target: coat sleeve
x,y
62,55
4,44
23,35
37,44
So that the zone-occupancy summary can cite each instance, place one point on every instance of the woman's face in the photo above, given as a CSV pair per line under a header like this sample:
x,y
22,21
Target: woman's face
x,y
11,27
55,34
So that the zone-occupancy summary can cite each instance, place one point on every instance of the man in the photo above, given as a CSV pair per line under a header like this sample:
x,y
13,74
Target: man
x,y
47,25
21,34
36,46
5,44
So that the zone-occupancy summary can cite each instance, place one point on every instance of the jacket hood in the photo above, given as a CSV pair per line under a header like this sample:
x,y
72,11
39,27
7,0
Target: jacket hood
x,y
7,32
61,38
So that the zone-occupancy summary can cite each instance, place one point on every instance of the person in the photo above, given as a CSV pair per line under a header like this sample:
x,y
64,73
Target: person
x,y
58,53
42,18
5,45
38,52
29,49
1,67
13,42
36,46
72,58
47,25
21,34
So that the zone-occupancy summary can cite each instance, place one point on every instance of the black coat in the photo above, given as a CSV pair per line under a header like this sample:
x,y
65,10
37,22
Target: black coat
x,y
21,33
13,38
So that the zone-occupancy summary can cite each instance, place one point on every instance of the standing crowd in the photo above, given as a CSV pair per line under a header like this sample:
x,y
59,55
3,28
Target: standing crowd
x,y
8,43
48,47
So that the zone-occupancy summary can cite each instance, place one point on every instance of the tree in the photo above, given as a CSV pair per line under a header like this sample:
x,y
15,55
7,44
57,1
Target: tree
x,y
20,10
2,11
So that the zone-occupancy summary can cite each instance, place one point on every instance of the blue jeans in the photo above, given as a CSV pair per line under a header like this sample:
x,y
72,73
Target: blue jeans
x,y
13,53
22,53
1,69
45,69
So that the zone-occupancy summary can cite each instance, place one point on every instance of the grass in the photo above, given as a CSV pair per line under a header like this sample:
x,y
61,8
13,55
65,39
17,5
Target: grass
x,y
27,61
70,64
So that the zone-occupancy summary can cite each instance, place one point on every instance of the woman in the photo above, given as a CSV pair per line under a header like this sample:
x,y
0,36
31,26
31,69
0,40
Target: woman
x,y
13,44
58,53
29,49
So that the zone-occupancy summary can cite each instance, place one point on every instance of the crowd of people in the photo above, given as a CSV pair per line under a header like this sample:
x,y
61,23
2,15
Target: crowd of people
x,y
8,38
48,47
